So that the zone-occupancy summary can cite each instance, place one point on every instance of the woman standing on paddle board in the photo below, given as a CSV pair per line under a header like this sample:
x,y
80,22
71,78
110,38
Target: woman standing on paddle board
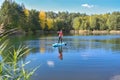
x,y
60,36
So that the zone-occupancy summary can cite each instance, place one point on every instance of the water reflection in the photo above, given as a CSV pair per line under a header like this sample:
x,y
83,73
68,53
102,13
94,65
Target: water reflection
x,y
50,63
42,50
60,53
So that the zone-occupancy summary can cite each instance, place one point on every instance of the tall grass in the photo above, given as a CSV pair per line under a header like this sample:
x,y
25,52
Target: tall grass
x,y
12,67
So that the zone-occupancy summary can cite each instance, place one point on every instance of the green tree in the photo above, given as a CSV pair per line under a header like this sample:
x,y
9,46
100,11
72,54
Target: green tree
x,y
113,21
76,23
5,13
59,24
84,23
11,15
93,22
34,21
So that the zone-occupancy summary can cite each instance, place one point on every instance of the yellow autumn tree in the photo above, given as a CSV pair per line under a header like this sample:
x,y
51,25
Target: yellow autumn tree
x,y
26,11
42,18
49,23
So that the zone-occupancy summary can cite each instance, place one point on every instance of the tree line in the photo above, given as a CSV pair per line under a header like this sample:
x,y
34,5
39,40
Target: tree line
x,y
13,15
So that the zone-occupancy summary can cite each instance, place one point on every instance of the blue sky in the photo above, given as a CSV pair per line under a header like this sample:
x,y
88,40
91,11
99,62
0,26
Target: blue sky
x,y
82,6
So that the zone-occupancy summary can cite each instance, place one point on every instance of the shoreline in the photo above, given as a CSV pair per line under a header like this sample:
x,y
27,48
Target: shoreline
x,y
21,32
94,32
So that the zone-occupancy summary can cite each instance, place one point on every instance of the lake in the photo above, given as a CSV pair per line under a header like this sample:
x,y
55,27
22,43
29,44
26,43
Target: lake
x,y
85,57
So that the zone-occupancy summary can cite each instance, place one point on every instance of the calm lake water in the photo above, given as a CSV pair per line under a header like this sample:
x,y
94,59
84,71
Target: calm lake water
x,y
85,57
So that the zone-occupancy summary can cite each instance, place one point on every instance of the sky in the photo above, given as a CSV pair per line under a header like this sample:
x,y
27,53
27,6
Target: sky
x,y
82,6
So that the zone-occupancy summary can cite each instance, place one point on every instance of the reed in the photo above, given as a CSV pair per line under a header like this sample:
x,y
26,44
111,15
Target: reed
x,y
12,66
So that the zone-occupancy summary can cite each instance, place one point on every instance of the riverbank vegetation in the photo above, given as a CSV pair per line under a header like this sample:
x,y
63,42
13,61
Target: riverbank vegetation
x,y
13,15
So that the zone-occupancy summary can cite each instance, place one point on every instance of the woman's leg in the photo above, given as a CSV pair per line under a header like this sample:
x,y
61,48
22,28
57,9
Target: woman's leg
x,y
59,40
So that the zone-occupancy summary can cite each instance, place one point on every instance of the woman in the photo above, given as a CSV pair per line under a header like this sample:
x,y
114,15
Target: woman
x,y
60,36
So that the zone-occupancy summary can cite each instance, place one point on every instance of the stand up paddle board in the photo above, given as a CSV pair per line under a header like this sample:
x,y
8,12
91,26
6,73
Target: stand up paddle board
x,y
59,44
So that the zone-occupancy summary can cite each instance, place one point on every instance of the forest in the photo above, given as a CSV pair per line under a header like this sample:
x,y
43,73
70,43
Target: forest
x,y
14,15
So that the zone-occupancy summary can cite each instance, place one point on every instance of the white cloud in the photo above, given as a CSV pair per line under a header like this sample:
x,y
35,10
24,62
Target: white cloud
x,y
87,5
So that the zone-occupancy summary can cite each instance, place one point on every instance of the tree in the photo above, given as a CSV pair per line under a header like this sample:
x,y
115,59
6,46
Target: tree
x,y
5,13
27,20
34,21
42,18
49,23
51,15
102,22
84,23
113,21
11,15
76,23
26,12
59,24
93,22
